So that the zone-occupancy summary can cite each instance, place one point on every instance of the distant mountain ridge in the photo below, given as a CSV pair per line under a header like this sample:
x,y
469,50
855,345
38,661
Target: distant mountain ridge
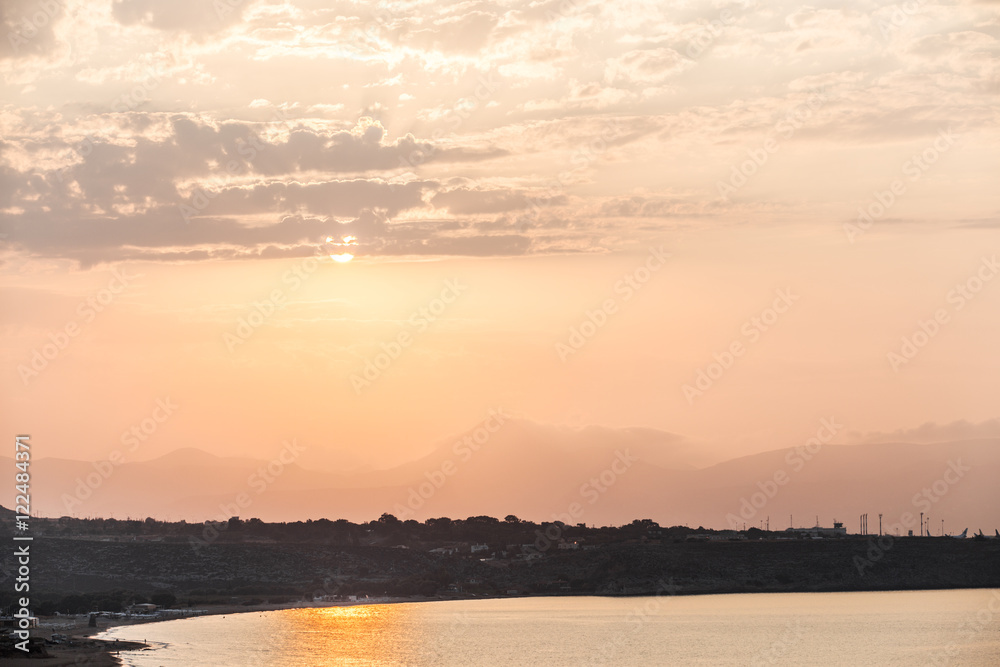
x,y
591,475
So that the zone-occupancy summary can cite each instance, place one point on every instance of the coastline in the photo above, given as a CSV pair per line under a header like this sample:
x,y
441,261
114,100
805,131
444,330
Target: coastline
x,y
88,644
88,648
84,645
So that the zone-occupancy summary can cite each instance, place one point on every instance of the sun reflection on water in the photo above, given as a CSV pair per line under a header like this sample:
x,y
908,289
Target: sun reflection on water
x,y
362,611
334,634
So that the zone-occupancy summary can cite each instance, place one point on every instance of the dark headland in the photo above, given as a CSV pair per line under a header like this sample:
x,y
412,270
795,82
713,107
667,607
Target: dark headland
x,y
114,566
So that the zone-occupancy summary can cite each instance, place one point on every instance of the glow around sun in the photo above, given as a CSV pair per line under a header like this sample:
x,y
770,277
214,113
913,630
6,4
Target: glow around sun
x,y
345,242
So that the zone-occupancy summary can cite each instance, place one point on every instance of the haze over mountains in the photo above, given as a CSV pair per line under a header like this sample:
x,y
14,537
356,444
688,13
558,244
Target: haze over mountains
x,y
588,475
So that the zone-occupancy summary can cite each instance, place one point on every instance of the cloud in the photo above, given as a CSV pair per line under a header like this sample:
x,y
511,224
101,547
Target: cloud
x,y
649,207
183,188
26,27
196,148
359,208
479,245
646,66
197,17
930,432
466,201
459,32
137,170
502,102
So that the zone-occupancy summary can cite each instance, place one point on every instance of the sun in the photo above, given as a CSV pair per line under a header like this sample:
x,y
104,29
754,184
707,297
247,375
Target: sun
x,y
344,241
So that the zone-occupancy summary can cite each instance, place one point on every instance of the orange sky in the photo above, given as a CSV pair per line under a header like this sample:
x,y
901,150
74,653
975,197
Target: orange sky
x,y
506,170
496,345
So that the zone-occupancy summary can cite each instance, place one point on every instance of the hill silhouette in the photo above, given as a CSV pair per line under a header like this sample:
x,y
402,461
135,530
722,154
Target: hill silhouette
x,y
540,472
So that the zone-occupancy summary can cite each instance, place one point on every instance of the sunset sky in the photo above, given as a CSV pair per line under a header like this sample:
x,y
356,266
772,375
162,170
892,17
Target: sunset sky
x,y
568,210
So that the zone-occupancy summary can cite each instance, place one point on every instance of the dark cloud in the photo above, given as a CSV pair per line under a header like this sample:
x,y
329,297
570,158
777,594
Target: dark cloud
x,y
647,207
26,27
482,245
181,188
201,220
465,201
331,198
150,168
163,235
197,17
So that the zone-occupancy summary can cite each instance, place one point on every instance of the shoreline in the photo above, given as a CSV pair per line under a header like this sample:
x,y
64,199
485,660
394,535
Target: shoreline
x,y
85,646
104,652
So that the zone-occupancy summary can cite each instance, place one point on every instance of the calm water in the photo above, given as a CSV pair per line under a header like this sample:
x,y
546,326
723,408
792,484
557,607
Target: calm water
x,y
850,629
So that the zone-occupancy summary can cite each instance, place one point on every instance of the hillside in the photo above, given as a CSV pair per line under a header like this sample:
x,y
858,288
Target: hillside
x,y
541,473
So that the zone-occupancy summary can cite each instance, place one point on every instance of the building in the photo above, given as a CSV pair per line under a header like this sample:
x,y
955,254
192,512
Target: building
x,y
718,536
144,608
817,531
10,621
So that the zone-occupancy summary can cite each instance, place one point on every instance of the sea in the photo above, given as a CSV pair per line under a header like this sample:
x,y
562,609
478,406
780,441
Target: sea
x,y
958,628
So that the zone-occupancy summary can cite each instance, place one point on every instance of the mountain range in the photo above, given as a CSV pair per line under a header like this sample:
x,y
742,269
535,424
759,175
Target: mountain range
x,y
589,475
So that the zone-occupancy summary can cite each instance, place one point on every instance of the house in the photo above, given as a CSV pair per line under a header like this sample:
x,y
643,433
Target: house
x,y
10,621
142,608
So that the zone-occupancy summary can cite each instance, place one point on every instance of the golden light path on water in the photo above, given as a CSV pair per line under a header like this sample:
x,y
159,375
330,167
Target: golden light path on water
x,y
960,628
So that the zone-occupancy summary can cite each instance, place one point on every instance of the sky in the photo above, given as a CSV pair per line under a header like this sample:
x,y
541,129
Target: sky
x,y
365,225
